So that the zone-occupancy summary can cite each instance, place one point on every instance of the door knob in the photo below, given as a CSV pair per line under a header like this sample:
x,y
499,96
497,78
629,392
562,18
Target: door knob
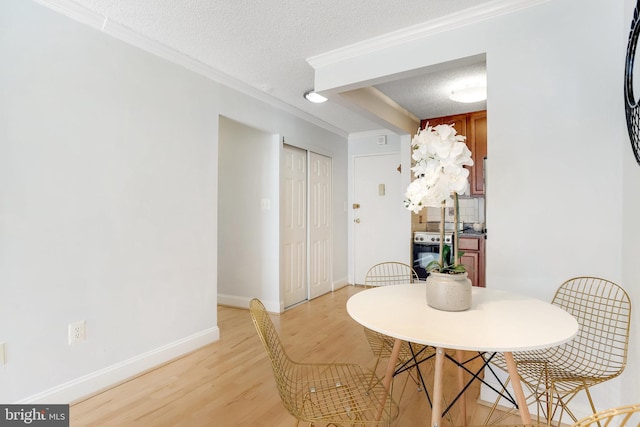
x,y
357,220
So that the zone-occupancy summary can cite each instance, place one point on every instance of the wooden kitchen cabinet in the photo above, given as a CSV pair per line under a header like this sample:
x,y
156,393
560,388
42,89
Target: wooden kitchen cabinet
x,y
459,121
474,127
477,143
473,259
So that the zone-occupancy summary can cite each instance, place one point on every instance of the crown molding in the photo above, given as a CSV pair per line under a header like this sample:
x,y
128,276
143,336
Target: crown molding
x,y
465,17
469,16
104,24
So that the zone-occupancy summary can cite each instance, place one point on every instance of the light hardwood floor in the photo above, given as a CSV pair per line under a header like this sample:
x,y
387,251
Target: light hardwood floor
x,y
230,382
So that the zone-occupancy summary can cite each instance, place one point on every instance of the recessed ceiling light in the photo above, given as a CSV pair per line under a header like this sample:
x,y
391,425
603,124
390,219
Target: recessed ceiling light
x,y
314,97
468,94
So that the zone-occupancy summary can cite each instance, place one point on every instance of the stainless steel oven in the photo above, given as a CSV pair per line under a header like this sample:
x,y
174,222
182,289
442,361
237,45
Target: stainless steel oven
x,y
426,248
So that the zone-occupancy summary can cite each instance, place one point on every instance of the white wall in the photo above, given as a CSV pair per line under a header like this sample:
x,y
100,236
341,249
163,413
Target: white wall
x,y
563,195
108,203
248,236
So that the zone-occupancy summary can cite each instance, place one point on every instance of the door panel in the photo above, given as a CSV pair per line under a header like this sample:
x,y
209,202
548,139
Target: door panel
x,y
378,231
294,226
319,225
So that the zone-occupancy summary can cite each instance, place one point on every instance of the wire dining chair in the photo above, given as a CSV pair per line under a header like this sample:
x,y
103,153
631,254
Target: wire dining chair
x,y
596,354
619,417
390,273
337,394
385,274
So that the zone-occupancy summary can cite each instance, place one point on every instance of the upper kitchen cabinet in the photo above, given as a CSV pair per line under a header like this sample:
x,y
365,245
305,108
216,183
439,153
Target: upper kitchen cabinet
x,y
459,121
477,143
474,127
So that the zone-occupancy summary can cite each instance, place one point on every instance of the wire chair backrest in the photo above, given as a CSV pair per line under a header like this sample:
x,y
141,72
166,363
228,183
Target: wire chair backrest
x,y
603,311
390,273
618,417
280,361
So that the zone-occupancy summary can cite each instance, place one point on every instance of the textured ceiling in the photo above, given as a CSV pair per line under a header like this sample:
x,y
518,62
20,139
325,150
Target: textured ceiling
x,y
265,44
427,95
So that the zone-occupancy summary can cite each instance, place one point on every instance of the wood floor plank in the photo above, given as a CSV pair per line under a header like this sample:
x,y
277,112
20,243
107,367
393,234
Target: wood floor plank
x,y
230,382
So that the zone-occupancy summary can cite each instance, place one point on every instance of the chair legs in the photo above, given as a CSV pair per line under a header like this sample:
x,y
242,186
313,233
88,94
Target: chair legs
x,y
551,403
382,350
375,379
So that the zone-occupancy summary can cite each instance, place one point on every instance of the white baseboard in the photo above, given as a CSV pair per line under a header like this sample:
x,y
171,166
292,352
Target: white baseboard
x,y
233,301
243,302
102,379
271,306
341,283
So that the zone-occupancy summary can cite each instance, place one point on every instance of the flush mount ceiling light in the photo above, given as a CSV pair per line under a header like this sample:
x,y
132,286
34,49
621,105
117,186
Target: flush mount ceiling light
x,y
314,97
468,94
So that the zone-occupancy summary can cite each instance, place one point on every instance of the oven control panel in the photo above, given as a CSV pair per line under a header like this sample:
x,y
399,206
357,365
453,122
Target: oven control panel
x,y
428,237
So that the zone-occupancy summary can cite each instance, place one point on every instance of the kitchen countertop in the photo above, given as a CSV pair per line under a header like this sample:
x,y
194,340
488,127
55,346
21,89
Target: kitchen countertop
x,y
467,232
470,232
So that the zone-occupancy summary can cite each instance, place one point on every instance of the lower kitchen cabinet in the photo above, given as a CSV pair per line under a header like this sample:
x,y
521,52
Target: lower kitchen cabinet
x,y
473,259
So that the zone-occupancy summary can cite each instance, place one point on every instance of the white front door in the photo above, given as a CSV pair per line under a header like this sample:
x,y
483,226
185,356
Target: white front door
x,y
294,225
378,232
319,225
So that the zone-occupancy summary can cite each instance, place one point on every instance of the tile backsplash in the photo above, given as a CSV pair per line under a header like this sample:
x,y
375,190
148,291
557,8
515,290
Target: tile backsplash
x,y
471,211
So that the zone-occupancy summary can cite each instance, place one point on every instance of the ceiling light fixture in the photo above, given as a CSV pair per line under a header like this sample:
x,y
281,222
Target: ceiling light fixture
x,y
314,97
468,94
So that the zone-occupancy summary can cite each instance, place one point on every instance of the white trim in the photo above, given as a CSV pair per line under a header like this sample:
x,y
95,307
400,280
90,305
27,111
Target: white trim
x,y
127,35
341,283
101,379
243,302
465,17
468,16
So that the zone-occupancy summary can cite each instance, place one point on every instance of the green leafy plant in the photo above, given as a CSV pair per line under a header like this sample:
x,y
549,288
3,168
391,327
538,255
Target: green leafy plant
x,y
448,263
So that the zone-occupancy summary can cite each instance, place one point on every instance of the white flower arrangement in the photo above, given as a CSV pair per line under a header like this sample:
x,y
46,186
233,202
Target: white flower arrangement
x,y
440,156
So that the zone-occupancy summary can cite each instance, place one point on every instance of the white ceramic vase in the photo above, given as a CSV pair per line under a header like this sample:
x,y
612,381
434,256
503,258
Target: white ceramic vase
x,y
449,292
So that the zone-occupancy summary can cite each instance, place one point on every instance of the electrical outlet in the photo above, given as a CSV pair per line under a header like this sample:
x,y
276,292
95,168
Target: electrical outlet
x,y
77,332
3,358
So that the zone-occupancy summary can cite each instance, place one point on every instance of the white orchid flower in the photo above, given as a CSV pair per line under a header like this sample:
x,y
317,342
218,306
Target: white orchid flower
x,y
439,154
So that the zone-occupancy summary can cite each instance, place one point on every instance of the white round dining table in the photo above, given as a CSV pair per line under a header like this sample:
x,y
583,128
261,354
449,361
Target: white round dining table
x,y
498,321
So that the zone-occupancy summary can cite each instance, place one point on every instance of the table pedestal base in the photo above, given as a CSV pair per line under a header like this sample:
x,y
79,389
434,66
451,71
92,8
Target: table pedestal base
x,y
437,407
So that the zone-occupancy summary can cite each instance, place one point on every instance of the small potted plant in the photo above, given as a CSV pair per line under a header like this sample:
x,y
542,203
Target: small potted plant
x,y
440,155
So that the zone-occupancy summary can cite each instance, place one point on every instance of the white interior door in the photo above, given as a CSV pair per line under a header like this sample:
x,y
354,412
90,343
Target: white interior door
x,y
294,225
319,225
378,232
